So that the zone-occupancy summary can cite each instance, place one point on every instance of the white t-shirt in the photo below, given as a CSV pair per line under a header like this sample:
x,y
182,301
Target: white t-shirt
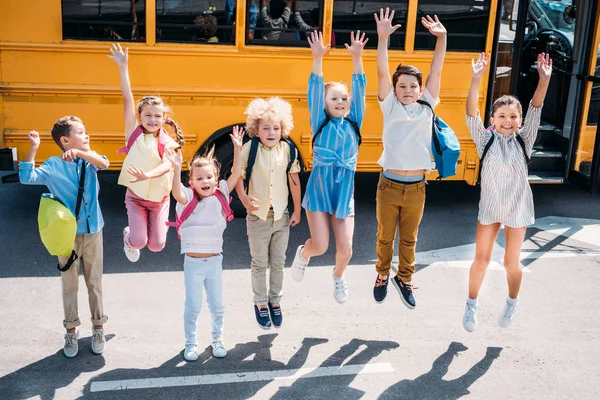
x,y
202,231
406,133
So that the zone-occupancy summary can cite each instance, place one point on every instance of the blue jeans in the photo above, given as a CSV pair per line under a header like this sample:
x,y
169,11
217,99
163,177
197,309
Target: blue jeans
x,y
199,272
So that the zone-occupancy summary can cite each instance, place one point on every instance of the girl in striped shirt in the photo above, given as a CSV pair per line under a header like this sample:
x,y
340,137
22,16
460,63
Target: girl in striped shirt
x,y
335,118
506,197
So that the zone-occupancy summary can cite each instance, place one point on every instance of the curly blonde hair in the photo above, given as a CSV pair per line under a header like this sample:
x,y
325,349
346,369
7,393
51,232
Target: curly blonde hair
x,y
273,109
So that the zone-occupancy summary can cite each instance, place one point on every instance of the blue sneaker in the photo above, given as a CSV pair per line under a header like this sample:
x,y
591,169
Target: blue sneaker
x,y
380,288
276,316
406,292
262,317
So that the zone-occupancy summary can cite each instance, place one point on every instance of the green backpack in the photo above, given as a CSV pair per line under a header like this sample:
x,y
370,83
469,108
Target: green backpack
x,y
58,226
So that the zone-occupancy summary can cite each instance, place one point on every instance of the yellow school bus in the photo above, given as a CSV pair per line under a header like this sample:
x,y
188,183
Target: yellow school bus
x,y
209,58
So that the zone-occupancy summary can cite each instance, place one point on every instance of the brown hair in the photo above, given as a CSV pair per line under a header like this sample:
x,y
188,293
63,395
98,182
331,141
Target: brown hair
x,y
62,127
203,31
205,160
506,100
407,70
157,101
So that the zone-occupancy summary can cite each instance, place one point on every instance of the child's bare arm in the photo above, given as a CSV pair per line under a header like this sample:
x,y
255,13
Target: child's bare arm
x,y
176,189
237,137
294,184
384,31
478,69
357,43
434,78
122,59
544,67
315,41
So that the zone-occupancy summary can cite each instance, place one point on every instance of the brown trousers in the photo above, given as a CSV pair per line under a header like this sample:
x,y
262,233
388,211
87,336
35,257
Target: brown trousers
x,y
89,248
400,205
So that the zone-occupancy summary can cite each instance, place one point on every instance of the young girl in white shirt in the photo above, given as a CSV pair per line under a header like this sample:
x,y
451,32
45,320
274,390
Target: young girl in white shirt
x,y
202,239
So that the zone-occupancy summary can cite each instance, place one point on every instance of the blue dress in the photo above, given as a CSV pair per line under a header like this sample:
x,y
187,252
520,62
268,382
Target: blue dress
x,y
330,186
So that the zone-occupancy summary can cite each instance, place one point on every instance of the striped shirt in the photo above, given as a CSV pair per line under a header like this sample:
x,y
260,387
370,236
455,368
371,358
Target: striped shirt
x,y
330,187
505,192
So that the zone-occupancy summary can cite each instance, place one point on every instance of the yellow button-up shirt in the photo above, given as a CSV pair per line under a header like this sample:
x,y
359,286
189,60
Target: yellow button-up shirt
x,y
269,181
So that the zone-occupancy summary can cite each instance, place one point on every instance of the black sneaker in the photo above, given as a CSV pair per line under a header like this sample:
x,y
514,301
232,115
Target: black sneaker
x,y
380,289
406,292
276,316
262,317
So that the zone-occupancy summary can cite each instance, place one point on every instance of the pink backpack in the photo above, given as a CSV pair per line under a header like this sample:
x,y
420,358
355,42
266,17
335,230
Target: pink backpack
x,y
162,139
189,208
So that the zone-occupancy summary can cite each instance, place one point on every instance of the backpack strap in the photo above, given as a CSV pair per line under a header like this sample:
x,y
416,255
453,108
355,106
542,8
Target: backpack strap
x,y
226,207
254,142
434,137
522,144
187,211
293,154
162,139
327,119
351,122
485,151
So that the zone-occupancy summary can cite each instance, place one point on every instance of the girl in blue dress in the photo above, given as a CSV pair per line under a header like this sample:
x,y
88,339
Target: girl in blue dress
x,y
335,120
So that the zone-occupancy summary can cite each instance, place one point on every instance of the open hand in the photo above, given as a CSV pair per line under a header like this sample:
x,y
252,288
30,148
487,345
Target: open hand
x,y
544,67
118,56
478,68
237,136
137,173
357,43
434,27
174,156
315,41
34,139
69,155
384,23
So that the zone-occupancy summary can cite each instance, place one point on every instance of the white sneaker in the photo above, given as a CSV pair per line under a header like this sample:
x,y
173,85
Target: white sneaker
x,y
190,353
218,348
132,254
71,347
98,341
470,318
508,315
299,265
340,289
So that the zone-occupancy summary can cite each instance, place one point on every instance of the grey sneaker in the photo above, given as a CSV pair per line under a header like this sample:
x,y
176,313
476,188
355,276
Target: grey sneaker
x,y
299,265
132,254
508,315
190,353
340,289
470,318
98,341
218,348
71,347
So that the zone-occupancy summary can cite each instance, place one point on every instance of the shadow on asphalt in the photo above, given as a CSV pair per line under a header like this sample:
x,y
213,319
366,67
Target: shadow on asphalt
x,y
249,357
432,385
44,377
449,220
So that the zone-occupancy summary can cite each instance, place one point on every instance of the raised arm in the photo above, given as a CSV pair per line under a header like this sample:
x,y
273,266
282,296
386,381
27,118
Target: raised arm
x,y
298,19
28,173
316,84
544,67
357,43
384,31
435,72
98,161
121,58
477,70
237,137
318,49
177,188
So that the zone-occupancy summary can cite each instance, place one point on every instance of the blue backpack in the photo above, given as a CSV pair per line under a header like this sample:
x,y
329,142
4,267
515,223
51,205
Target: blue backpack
x,y
444,145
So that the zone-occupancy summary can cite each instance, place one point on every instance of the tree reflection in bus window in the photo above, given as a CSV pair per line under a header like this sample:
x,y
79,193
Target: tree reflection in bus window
x,y
116,20
195,21
281,22
351,16
465,20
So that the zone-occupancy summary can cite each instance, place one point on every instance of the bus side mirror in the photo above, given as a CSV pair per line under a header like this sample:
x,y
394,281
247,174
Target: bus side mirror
x,y
569,14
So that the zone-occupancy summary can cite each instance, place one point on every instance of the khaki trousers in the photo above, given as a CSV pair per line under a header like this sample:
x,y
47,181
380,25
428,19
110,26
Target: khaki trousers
x,y
400,205
268,242
89,248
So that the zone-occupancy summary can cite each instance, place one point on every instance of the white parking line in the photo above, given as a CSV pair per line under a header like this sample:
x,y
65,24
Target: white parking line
x,y
238,377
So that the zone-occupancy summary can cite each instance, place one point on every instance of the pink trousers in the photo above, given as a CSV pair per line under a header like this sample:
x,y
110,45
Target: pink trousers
x,y
147,222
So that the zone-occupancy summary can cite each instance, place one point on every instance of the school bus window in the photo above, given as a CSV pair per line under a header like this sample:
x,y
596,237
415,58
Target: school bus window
x,y
594,112
122,20
351,16
195,21
281,22
465,20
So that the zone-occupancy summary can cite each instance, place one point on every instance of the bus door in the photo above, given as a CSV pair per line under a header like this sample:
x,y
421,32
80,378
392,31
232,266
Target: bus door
x,y
525,29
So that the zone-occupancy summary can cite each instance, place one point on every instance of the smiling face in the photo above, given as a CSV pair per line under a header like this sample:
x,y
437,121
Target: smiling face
x,y
336,101
204,180
507,119
152,117
407,89
269,132
78,138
